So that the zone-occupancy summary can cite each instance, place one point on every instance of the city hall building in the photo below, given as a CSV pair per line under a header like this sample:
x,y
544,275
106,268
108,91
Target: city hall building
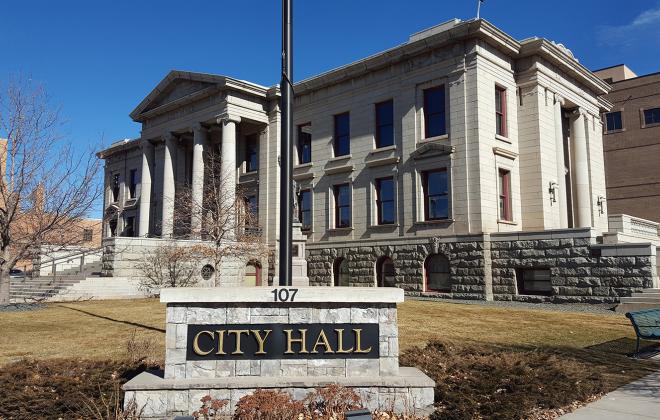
x,y
462,163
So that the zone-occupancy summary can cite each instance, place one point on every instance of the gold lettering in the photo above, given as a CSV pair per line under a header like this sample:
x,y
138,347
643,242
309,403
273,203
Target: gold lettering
x,y
340,342
238,333
221,342
260,340
301,341
358,341
196,348
322,340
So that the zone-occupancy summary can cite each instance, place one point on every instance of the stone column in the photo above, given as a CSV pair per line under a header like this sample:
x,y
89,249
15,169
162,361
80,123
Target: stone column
x,y
199,144
145,187
167,221
561,165
581,165
228,158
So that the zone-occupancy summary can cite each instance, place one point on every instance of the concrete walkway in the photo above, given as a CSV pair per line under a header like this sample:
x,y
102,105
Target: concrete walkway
x,y
639,400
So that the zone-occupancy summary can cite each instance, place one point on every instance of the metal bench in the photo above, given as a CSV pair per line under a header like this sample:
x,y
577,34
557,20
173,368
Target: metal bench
x,y
646,324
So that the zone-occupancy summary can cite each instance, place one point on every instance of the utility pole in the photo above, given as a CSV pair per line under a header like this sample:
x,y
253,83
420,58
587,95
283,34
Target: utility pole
x,y
286,145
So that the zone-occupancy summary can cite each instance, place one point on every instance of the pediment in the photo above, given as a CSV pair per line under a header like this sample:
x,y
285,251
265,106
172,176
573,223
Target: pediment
x,y
176,90
432,149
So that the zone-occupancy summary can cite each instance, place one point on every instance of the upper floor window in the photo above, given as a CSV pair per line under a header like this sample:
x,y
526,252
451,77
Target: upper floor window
x,y
305,209
385,200
251,153
129,229
252,208
342,195
304,143
88,235
436,194
651,116
504,186
500,111
132,186
385,124
342,140
613,121
434,112
115,188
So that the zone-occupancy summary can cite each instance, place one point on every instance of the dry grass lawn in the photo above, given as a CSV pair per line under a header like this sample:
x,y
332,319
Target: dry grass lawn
x,y
100,329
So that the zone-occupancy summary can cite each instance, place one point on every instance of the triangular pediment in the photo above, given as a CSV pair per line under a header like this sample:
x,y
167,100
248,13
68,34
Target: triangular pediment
x,y
432,149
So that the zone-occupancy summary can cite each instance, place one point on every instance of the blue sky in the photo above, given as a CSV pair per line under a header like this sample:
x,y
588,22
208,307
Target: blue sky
x,y
98,59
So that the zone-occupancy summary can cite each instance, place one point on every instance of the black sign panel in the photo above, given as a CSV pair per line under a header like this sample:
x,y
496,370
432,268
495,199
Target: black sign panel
x,y
282,341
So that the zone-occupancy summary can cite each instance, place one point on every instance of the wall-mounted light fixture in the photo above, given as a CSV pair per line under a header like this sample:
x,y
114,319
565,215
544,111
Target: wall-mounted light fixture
x,y
552,190
600,202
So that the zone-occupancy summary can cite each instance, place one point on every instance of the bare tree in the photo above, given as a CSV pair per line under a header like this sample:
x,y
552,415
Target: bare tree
x,y
224,221
46,187
170,265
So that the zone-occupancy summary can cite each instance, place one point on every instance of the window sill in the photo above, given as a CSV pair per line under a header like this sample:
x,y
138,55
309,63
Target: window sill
x,y
651,125
303,165
605,133
384,148
340,230
434,222
339,158
502,138
507,222
384,226
435,138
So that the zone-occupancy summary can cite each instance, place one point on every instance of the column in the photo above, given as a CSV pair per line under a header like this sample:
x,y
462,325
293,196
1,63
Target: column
x,y
199,144
561,165
167,222
228,160
145,187
581,165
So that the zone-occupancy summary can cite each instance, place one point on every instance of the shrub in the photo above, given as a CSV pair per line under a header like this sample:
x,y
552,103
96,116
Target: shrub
x,y
268,405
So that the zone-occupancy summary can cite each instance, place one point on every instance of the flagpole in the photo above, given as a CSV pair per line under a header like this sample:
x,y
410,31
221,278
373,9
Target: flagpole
x,y
478,8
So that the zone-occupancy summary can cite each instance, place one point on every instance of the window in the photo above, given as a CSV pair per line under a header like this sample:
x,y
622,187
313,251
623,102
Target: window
x,y
504,188
88,235
304,143
342,206
434,112
613,121
342,141
340,272
534,281
385,124
251,153
500,111
305,209
132,186
436,273
436,195
252,274
252,208
112,224
385,272
651,116
115,188
385,200
129,229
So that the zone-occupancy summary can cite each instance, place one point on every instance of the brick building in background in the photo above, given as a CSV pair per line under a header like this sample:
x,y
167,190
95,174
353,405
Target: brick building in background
x,y
631,142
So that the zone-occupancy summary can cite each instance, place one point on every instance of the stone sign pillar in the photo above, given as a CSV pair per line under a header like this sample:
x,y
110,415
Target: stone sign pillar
x,y
228,342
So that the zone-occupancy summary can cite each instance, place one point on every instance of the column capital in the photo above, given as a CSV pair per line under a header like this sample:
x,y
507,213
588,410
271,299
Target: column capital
x,y
559,99
227,118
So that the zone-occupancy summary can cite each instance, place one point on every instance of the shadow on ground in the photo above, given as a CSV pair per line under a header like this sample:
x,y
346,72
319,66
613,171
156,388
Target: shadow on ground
x,y
121,321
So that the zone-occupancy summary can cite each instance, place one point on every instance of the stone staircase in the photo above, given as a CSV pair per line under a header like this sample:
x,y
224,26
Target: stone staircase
x,y
646,299
44,287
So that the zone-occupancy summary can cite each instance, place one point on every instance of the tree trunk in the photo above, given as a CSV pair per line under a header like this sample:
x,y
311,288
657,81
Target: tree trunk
x,y
4,287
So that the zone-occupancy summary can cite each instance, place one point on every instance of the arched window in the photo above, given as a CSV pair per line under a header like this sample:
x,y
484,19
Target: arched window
x,y
252,274
436,273
385,272
340,272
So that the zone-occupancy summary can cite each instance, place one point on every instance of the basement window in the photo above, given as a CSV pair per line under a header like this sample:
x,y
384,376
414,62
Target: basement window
x,y
534,281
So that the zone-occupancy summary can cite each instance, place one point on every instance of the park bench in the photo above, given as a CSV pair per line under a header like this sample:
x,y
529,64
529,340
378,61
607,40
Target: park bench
x,y
646,324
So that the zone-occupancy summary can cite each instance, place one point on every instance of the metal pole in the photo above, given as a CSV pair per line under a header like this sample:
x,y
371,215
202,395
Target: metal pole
x,y
478,9
286,145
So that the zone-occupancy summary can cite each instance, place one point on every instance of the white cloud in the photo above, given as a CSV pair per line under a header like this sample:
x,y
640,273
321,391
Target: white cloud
x,y
645,25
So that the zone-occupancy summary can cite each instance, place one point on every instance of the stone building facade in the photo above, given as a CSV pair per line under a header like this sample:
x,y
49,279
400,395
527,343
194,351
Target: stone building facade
x,y
462,163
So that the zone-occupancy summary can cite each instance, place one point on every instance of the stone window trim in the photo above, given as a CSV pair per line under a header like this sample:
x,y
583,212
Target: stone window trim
x,y
383,125
339,136
372,210
340,273
501,116
300,155
310,190
535,275
504,194
421,207
335,206
643,118
419,114
604,122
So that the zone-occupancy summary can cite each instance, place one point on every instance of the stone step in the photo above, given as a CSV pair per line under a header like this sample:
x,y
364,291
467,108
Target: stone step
x,y
635,306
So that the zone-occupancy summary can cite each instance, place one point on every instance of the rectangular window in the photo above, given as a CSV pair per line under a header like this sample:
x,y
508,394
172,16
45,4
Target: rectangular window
x,y
132,186
88,235
385,200
252,208
129,229
534,281
305,209
342,194
504,188
500,111
434,112
613,121
651,116
385,124
342,140
304,143
251,153
436,194
115,188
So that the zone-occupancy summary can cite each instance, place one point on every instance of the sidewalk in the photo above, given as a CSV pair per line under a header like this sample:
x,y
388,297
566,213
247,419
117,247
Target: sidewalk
x,y
639,400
